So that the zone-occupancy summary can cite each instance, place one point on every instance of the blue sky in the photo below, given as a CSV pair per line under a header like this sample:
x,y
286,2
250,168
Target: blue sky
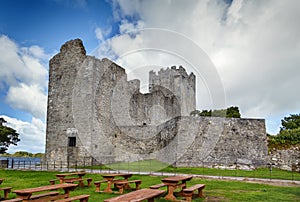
x,y
50,23
254,47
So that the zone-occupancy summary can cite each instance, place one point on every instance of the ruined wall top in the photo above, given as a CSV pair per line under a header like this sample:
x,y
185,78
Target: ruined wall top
x,y
165,75
71,53
75,46
174,71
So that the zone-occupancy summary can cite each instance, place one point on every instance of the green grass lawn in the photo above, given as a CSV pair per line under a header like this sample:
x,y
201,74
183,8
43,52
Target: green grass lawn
x,y
216,190
156,166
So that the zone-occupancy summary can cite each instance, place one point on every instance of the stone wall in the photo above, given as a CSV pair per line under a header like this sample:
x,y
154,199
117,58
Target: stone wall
x,y
154,108
94,112
197,141
286,159
224,141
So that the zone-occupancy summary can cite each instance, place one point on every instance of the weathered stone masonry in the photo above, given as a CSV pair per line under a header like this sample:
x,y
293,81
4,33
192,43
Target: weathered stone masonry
x,y
95,112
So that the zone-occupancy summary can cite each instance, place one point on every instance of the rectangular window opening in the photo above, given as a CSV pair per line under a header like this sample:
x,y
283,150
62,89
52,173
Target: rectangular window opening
x,y
72,142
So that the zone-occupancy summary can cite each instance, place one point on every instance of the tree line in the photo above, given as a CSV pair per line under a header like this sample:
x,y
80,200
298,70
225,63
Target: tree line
x,y
230,112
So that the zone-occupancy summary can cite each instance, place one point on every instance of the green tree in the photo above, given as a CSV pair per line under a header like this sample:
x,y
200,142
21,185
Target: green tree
x,y
8,136
290,122
289,133
230,112
219,113
22,154
205,113
233,112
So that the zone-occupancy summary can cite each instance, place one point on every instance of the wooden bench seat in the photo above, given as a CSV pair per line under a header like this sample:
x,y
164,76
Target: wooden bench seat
x,y
138,196
6,191
13,200
157,186
81,198
72,180
123,183
98,184
188,192
38,196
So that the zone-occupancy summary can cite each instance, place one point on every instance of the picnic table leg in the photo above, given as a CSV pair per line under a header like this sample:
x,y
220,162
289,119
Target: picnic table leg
x,y
61,180
151,200
67,191
200,192
180,193
109,183
127,187
170,196
120,187
6,193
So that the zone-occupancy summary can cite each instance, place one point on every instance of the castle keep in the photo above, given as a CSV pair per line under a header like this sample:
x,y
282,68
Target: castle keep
x,y
95,112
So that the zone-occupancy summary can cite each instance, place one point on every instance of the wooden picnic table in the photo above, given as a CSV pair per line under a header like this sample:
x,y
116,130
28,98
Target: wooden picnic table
x,y
25,194
173,183
137,196
62,176
110,180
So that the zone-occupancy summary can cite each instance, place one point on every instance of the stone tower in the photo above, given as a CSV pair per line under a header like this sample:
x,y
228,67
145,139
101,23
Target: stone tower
x,y
179,83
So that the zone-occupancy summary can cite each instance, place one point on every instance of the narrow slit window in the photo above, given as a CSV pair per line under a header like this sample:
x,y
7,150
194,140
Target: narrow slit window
x,y
113,76
72,142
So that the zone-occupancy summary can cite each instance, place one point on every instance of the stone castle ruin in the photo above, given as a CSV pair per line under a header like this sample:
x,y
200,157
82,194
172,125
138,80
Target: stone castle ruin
x,y
94,112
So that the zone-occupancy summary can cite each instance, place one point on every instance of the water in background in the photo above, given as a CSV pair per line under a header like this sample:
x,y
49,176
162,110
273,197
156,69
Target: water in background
x,y
19,162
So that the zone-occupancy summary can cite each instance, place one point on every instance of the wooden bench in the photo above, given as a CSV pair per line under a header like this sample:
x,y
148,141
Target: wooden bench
x,y
121,184
45,193
188,192
13,200
48,194
81,198
80,180
157,186
45,196
72,180
6,191
138,196
98,184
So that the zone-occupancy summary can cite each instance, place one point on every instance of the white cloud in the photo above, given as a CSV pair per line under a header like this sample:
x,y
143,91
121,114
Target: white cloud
x,y
99,34
31,135
24,76
255,46
28,98
129,27
23,71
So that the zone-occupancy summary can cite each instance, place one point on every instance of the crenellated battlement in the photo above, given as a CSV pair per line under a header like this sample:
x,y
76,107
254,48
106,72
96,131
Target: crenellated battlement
x,y
177,81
